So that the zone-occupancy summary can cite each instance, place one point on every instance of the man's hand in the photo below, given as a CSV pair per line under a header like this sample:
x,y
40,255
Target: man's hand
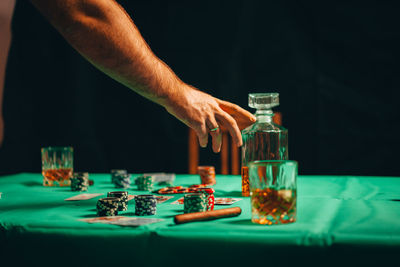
x,y
202,112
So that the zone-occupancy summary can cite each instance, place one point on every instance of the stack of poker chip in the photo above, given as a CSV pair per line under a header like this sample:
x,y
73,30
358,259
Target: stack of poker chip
x,y
208,193
80,181
173,190
120,178
107,206
116,173
207,174
145,205
195,202
123,199
166,183
145,183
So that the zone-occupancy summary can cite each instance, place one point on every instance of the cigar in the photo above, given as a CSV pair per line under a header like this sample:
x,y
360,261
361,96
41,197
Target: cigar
x,y
207,215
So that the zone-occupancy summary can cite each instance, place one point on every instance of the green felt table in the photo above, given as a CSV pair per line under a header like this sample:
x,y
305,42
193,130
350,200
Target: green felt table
x,y
341,219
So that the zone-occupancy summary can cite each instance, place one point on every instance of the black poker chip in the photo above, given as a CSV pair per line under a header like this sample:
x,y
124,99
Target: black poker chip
x,y
107,206
80,181
145,205
123,199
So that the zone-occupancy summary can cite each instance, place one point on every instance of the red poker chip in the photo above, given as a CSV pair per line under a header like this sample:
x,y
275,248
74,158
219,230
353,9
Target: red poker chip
x,y
177,187
201,168
192,190
195,186
207,190
172,190
182,190
198,185
166,192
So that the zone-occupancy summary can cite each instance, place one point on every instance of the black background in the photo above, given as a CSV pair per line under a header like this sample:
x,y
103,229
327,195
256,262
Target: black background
x,y
335,65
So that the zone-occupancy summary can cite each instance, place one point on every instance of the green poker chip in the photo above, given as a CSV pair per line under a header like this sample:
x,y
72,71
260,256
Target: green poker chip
x,y
144,183
195,202
121,180
80,181
117,172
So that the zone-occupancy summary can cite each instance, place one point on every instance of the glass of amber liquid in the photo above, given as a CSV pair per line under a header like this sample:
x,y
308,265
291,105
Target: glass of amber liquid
x,y
57,165
273,191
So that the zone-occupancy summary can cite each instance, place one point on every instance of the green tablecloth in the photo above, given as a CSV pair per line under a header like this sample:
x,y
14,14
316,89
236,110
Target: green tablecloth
x,y
340,220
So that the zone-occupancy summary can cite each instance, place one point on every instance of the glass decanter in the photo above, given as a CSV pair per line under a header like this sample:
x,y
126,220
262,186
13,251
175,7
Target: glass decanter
x,y
263,140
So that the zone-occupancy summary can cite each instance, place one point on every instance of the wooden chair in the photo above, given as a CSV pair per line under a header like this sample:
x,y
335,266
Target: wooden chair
x,y
227,146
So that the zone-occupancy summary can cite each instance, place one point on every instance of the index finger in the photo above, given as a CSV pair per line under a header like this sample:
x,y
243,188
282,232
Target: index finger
x,y
242,116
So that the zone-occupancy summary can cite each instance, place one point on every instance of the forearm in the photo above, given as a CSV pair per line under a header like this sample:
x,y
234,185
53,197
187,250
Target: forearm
x,y
5,32
6,11
106,36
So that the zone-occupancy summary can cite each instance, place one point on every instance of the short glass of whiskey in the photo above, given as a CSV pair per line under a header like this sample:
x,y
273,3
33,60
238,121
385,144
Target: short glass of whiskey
x,y
273,191
57,165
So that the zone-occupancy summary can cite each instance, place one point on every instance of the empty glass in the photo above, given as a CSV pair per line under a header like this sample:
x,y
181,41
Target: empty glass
x,y
273,185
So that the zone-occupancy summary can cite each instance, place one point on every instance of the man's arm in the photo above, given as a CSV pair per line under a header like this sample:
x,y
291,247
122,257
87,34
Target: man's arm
x,y
6,11
106,36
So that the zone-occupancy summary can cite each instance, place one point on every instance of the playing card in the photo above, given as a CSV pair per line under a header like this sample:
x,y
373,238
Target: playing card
x,y
106,219
162,177
178,201
84,196
153,173
135,221
226,200
161,199
122,221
